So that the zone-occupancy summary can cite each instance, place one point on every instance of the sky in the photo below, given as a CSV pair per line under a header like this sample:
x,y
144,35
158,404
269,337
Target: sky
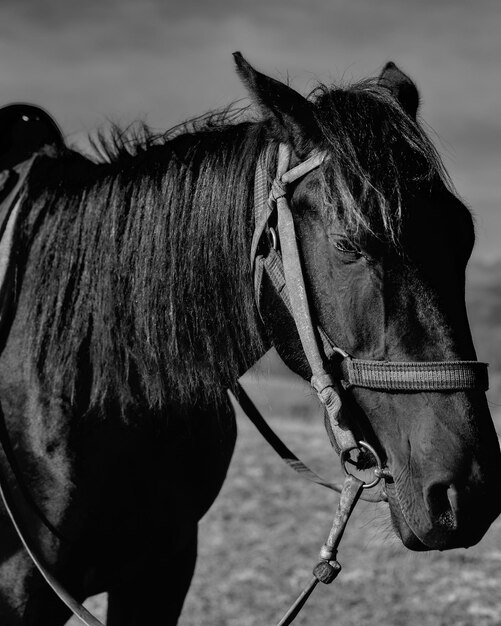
x,y
167,60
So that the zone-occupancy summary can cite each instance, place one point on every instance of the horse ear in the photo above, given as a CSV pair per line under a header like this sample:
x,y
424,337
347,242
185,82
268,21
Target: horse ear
x,y
401,86
291,114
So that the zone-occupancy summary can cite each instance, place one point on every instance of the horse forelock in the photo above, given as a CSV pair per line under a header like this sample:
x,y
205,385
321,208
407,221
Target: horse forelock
x,y
379,159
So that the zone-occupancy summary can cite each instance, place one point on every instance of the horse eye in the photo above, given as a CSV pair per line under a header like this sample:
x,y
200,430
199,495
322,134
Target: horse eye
x,y
345,245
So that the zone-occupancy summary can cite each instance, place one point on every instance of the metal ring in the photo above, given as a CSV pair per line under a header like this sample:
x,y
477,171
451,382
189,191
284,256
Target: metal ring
x,y
377,471
274,238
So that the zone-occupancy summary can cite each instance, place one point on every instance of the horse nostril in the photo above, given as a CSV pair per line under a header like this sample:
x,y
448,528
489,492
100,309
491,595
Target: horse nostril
x,y
442,501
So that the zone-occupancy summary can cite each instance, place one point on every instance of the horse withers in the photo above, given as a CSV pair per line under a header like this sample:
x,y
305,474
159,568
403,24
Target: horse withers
x,y
136,311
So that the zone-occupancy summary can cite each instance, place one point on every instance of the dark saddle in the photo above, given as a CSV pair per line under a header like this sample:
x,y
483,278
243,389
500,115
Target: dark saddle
x,y
24,130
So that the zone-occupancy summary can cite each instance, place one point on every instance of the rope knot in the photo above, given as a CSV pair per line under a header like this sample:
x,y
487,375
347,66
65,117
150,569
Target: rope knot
x,y
326,572
278,189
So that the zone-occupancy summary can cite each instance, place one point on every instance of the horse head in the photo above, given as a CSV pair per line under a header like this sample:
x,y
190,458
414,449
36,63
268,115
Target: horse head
x,y
384,242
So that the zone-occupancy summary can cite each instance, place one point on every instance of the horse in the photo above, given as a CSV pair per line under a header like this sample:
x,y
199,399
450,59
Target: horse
x,y
134,311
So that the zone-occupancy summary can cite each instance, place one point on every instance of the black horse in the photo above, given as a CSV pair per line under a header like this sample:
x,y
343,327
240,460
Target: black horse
x,y
135,312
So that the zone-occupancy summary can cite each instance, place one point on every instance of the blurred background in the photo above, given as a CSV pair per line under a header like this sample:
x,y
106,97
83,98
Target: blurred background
x,y
164,61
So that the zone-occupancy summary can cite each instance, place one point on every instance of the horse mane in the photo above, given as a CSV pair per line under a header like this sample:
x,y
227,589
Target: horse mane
x,y
140,272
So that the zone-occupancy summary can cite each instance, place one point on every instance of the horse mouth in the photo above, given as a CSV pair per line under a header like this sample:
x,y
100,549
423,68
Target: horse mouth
x,y
400,524
402,527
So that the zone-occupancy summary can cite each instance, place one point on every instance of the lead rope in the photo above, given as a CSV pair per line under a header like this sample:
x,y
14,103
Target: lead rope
x,y
252,412
327,569
78,609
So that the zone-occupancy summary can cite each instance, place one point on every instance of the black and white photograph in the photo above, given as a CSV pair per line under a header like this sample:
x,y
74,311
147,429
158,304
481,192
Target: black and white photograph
x,y
250,313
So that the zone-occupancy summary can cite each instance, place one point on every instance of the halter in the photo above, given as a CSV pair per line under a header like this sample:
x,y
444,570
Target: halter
x,y
285,273
286,276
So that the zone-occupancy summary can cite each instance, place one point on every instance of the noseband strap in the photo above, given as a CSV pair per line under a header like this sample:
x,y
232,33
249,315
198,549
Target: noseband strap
x,y
414,375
